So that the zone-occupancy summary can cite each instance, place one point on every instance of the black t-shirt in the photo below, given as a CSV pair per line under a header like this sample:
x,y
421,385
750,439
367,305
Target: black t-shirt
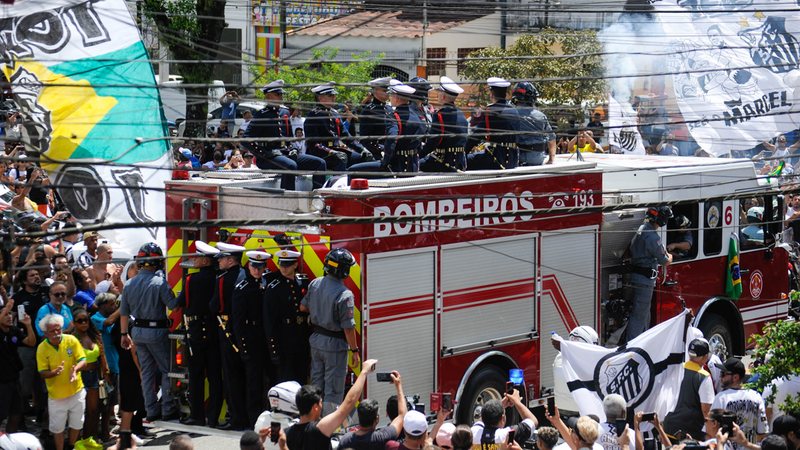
x,y
306,436
373,440
31,301
12,364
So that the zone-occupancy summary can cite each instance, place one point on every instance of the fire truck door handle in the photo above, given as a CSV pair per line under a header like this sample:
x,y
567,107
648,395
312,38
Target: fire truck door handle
x,y
670,283
743,271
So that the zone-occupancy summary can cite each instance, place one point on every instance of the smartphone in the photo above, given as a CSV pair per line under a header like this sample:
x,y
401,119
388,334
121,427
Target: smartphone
x,y
275,432
620,426
509,387
383,377
420,407
20,312
511,434
447,401
726,423
436,401
647,417
551,405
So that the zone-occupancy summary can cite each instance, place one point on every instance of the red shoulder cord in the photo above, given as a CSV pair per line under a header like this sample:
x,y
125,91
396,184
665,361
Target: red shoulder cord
x,y
221,297
288,127
186,289
399,123
486,120
441,126
338,128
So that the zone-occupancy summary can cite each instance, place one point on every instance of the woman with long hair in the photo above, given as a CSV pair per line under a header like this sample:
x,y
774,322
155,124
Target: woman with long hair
x,y
96,368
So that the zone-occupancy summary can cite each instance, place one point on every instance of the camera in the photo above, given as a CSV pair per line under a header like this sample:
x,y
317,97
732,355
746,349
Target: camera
x,y
383,377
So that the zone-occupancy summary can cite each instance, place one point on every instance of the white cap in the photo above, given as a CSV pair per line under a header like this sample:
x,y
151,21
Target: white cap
x,y
102,287
394,82
498,82
325,89
258,258
226,249
449,86
415,423
275,86
204,249
19,441
445,434
402,90
383,82
287,256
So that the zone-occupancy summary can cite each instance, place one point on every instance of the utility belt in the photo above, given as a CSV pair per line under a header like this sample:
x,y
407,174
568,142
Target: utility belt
x,y
406,152
533,148
451,150
511,145
326,332
644,271
148,323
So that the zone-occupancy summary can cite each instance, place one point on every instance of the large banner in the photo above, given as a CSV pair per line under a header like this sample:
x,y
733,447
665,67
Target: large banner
x,y
647,372
85,86
623,132
734,68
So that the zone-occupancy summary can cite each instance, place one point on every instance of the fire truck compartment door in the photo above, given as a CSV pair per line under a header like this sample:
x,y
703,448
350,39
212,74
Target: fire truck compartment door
x,y
488,293
399,319
569,288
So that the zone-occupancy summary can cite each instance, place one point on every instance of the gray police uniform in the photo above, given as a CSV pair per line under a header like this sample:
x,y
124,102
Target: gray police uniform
x,y
146,298
647,252
330,304
535,133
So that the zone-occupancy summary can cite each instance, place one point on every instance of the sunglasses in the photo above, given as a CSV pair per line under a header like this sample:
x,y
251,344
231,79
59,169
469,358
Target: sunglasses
x,y
58,294
81,320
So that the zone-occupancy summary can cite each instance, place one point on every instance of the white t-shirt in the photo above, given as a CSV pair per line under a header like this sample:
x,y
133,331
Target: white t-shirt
x,y
608,437
751,414
565,446
783,389
501,434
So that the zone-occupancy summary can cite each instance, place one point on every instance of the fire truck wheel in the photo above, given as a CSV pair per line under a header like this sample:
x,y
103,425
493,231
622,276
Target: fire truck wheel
x,y
718,334
488,383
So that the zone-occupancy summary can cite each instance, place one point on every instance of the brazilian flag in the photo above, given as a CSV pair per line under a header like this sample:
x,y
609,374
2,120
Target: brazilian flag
x,y
733,276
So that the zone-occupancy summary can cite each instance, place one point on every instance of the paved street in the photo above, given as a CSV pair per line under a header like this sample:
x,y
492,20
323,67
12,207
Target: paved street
x,y
203,437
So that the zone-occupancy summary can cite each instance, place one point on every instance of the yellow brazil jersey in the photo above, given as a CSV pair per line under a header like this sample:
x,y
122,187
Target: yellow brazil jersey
x,y
48,357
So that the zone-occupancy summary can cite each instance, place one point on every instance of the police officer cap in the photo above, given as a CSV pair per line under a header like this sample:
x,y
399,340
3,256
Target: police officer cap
x,y
287,257
258,258
226,249
204,249
403,90
325,89
275,86
383,82
498,82
449,86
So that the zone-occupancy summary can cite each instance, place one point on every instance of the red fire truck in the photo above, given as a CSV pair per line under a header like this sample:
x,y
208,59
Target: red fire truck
x,y
490,264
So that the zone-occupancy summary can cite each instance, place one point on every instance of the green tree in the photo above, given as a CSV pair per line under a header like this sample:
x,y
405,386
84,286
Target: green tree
x,y
191,29
351,78
576,78
779,346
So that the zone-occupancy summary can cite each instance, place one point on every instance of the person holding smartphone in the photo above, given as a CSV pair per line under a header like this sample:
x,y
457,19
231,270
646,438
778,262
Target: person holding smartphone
x,y
12,337
368,436
492,429
611,431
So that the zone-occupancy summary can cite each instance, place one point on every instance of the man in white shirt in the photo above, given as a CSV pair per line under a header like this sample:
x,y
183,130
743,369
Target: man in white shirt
x,y
747,404
492,429
695,395
784,387
615,407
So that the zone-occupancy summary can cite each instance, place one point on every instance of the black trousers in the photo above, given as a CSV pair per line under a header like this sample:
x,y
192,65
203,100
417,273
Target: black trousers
x,y
254,372
295,367
205,363
233,376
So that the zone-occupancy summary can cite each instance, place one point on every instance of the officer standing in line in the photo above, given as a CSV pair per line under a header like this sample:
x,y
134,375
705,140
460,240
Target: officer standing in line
x,y
646,252
498,128
273,122
324,133
247,309
420,104
400,154
202,339
446,153
146,297
375,116
229,261
331,305
536,136
285,326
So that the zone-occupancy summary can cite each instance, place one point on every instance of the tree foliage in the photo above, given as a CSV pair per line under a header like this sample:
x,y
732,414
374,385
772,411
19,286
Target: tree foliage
x,y
350,78
191,29
779,346
580,77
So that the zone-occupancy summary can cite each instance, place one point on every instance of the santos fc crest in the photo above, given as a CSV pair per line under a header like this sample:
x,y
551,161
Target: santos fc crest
x,y
628,372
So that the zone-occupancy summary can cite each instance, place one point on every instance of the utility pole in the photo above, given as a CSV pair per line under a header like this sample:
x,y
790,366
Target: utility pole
x,y
422,52
503,12
283,23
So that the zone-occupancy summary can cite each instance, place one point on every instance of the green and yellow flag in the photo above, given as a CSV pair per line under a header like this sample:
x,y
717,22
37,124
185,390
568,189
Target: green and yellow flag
x,y
733,277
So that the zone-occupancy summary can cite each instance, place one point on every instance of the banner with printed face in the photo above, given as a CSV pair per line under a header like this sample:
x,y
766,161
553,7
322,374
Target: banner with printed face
x,y
83,82
734,69
623,134
647,372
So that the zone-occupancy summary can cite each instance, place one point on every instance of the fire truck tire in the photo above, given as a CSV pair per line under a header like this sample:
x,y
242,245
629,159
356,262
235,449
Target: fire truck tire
x,y
719,336
487,383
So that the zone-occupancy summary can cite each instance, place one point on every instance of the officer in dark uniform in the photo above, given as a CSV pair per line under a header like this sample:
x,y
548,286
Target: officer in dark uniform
x,y
247,310
536,136
230,269
287,327
419,103
647,252
446,153
273,122
202,339
497,128
324,133
375,115
401,152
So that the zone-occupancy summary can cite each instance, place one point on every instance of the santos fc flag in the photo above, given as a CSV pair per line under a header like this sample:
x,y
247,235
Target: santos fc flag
x,y
647,372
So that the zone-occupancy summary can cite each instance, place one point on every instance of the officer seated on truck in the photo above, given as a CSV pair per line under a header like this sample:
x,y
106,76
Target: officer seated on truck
x,y
753,234
680,239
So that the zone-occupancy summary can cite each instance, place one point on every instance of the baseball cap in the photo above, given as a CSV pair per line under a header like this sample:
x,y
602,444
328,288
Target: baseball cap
x,y
247,154
90,234
732,365
782,425
444,434
698,347
415,424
